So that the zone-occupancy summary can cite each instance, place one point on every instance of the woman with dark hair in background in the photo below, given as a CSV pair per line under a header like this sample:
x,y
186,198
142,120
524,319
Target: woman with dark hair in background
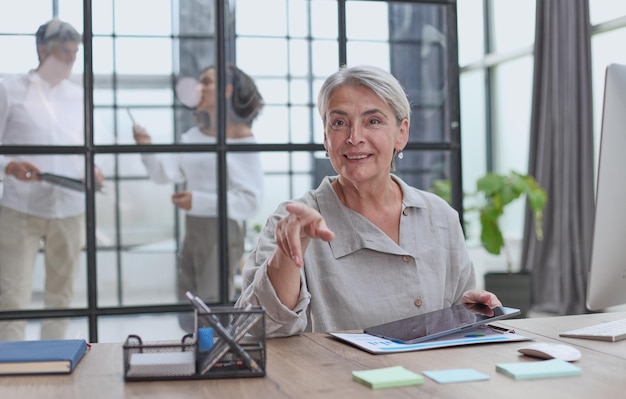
x,y
198,269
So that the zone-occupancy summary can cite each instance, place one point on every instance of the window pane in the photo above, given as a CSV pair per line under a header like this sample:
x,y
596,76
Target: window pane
x,y
177,239
512,101
369,53
473,128
513,25
129,13
299,18
605,10
103,25
358,20
261,18
103,55
24,17
161,327
76,328
299,54
72,11
325,58
23,54
322,12
273,125
422,168
272,63
273,90
470,30
145,56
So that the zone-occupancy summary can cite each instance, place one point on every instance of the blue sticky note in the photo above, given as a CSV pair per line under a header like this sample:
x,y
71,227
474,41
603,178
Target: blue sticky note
x,y
455,375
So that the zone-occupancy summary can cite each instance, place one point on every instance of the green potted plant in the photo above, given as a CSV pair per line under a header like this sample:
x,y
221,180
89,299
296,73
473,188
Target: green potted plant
x,y
497,191
494,192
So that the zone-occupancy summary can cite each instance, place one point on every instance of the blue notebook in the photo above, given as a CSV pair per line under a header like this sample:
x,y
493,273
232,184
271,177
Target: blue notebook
x,y
41,357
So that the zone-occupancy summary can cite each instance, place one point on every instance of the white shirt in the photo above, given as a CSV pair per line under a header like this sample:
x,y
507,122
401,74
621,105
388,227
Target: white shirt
x,y
34,113
199,171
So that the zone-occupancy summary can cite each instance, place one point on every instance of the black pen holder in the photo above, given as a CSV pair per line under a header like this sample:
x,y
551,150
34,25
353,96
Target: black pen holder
x,y
227,343
230,342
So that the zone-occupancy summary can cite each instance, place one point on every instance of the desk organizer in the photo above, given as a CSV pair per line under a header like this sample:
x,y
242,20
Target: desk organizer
x,y
227,343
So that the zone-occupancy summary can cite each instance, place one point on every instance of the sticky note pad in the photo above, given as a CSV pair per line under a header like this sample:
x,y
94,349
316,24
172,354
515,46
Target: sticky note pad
x,y
162,364
538,369
388,377
455,375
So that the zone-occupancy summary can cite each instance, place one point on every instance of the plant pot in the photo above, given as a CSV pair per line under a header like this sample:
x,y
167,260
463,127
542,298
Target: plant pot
x,y
513,289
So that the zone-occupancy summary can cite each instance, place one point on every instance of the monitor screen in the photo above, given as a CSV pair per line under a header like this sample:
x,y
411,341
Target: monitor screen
x,y
607,273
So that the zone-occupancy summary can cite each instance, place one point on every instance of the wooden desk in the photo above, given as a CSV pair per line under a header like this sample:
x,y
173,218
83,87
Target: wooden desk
x,y
317,366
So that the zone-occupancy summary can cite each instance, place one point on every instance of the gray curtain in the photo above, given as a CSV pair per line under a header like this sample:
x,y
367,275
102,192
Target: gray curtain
x,y
561,157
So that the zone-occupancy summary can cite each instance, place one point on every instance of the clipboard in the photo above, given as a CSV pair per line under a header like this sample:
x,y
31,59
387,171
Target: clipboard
x,y
67,182
487,334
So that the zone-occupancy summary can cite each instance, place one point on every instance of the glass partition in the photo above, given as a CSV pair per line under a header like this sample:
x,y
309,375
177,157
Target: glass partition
x,y
158,128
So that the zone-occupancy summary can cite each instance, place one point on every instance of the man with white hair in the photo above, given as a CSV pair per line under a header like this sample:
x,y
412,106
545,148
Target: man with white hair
x,y
43,108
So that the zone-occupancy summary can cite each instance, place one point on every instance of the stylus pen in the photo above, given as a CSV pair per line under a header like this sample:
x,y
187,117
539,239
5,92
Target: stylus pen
x,y
500,330
216,324
131,116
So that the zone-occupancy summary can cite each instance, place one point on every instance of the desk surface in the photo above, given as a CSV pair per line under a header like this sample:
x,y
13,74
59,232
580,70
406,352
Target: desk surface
x,y
316,365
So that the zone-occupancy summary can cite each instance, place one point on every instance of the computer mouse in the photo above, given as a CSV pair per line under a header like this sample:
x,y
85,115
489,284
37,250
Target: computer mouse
x,y
549,350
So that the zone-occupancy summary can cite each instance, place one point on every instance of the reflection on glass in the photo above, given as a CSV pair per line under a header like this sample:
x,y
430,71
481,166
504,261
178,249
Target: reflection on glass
x,y
77,328
423,168
196,175
39,204
162,327
414,48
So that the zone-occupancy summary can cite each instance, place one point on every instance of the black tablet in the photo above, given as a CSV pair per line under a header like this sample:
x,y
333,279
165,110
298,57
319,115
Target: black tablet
x,y
439,323
67,182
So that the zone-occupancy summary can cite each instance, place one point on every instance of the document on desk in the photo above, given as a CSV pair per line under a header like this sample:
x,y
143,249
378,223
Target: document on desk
x,y
377,345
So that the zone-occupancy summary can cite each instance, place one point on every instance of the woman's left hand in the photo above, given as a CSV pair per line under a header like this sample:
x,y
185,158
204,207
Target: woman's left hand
x,y
182,199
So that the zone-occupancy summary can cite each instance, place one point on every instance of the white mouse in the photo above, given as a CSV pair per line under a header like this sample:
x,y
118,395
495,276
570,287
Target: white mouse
x,y
546,350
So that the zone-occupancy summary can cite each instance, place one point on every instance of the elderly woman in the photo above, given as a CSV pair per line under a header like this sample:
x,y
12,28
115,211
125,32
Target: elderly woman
x,y
363,248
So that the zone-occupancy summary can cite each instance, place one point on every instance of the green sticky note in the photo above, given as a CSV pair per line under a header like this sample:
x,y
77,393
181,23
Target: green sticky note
x,y
538,369
388,377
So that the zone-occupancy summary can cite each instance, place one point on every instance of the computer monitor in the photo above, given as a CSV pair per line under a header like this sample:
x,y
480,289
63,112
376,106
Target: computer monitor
x,y
607,273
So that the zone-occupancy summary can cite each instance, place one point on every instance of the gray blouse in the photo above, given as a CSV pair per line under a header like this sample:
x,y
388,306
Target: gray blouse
x,y
362,277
